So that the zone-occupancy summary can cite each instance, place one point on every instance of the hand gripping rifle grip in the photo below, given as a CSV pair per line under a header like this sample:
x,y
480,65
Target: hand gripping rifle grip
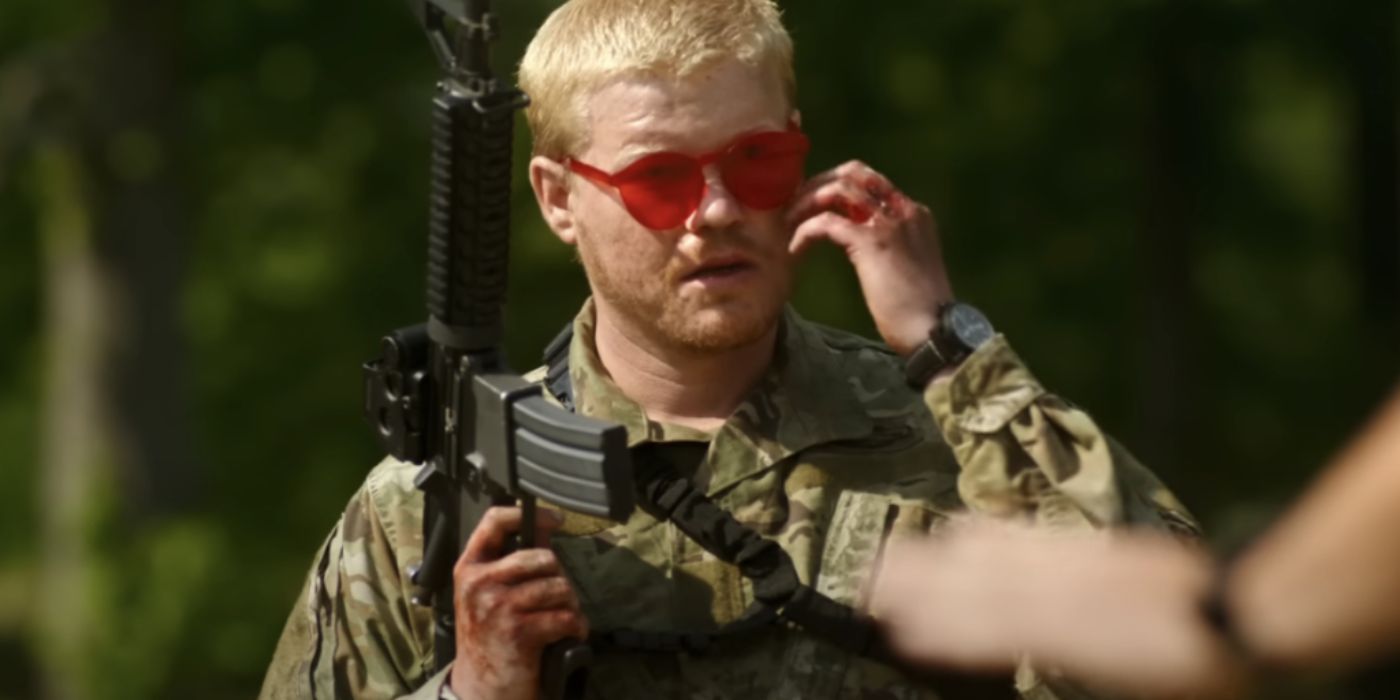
x,y
469,214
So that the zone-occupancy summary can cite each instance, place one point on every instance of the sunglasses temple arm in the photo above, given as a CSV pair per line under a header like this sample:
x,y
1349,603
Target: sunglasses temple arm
x,y
591,172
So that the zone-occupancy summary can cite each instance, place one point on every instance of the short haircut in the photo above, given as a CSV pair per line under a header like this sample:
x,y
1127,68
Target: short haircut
x,y
586,43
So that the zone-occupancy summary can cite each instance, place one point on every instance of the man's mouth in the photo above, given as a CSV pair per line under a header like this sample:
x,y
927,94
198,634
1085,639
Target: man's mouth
x,y
720,269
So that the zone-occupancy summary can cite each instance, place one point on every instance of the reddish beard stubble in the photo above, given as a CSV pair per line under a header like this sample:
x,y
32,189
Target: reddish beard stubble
x,y
668,311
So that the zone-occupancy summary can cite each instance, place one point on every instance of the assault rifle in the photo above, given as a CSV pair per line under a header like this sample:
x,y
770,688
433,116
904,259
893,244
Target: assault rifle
x,y
440,394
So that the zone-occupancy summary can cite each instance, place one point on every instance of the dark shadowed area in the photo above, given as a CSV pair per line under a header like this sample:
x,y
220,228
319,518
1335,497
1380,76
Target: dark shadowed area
x,y
1183,213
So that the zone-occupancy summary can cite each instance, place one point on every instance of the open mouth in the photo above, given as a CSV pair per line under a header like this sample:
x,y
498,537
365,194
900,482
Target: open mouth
x,y
719,270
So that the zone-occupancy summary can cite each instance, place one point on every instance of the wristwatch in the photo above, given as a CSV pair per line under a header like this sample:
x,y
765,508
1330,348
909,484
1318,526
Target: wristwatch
x,y
961,329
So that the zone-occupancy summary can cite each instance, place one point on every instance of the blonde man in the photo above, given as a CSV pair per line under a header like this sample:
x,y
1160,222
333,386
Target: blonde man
x,y
669,153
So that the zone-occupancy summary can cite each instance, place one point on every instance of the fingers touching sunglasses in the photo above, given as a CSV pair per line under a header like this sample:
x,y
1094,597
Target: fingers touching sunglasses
x,y
853,190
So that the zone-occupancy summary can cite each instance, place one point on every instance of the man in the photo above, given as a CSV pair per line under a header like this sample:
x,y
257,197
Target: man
x,y
668,152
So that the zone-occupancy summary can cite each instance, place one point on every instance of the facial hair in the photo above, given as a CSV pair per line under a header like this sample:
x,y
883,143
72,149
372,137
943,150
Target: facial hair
x,y
703,322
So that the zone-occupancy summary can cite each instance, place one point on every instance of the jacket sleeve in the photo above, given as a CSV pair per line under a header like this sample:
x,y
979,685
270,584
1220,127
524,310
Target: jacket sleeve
x,y
1025,450
354,633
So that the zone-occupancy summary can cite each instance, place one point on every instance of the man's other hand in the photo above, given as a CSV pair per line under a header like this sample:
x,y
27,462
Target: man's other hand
x,y
509,609
890,239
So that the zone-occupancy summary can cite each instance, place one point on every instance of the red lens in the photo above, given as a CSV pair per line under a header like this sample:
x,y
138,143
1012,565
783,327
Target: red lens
x,y
662,189
763,170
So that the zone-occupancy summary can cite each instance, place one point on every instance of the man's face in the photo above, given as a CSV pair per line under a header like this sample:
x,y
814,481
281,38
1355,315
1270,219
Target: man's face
x,y
721,279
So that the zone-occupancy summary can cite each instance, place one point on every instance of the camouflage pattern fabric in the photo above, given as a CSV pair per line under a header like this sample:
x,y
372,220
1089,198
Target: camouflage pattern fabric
x,y
829,456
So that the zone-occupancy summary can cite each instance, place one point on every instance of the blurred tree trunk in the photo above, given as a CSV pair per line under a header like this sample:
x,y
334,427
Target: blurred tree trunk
x,y
115,444
1370,53
77,430
132,143
1167,233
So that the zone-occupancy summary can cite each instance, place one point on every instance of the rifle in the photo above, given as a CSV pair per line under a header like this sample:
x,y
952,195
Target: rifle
x,y
440,394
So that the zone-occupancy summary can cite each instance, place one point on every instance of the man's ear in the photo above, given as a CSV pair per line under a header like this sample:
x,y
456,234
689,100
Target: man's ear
x,y
796,118
550,181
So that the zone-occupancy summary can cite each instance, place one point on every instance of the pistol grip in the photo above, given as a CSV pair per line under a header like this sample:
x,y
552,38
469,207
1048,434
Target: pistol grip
x,y
564,670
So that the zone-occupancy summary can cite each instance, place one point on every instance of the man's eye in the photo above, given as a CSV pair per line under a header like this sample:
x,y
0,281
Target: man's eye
x,y
755,151
665,171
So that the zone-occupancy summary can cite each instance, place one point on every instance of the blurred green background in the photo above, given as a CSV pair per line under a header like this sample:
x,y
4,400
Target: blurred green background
x,y
1184,213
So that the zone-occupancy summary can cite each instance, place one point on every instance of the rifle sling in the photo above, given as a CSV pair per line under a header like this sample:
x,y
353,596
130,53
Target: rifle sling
x,y
667,494
556,362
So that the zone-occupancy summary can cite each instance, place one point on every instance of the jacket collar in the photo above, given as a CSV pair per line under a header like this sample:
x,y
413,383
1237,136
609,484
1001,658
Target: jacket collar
x,y
809,396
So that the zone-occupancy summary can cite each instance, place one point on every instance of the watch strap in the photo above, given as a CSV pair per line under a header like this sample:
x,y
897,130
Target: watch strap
x,y
935,354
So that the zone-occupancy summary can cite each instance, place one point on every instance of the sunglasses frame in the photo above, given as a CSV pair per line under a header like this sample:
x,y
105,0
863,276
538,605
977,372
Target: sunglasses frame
x,y
654,221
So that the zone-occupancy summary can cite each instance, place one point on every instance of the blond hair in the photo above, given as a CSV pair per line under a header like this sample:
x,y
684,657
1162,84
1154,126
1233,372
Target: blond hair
x,y
586,43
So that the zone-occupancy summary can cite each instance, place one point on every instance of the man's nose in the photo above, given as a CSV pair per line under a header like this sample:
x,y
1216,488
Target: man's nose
x,y
718,208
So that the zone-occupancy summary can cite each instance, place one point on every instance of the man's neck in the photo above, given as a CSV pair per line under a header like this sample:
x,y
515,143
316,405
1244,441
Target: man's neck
x,y
693,388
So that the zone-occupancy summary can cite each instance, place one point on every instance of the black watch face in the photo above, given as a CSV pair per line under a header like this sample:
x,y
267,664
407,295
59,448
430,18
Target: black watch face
x,y
969,326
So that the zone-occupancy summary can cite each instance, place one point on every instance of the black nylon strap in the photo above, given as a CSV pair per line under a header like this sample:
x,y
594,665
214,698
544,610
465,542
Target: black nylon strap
x,y
834,622
556,362
779,593
668,496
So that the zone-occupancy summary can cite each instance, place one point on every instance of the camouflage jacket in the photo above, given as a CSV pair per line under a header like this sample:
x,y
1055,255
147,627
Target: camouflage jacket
x,y
829,455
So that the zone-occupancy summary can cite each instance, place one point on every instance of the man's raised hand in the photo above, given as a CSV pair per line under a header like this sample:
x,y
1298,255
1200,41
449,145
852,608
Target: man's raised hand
x,y
890,239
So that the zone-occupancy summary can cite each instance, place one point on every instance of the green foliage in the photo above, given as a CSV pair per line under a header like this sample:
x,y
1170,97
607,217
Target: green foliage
x,y
19,390
1030,128
148,590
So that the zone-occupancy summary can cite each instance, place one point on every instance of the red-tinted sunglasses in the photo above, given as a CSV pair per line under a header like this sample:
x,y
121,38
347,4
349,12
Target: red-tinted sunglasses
x,y
661,190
